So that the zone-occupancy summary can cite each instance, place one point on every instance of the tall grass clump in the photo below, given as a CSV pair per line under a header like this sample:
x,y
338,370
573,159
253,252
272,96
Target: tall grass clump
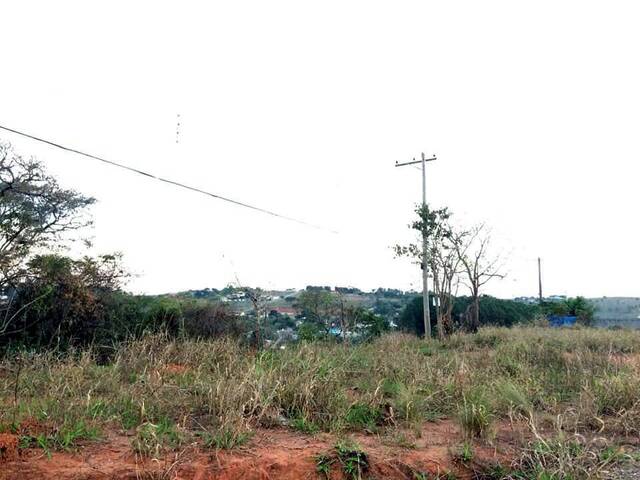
x,y
475,415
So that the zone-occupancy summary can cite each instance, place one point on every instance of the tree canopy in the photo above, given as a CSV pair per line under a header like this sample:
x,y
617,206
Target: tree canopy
x,y
34,212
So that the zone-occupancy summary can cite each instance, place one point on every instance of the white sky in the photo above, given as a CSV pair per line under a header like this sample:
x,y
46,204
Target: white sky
x,y
533,109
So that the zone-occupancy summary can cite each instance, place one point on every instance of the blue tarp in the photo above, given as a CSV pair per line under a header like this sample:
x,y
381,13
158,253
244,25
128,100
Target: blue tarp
x,y
562,320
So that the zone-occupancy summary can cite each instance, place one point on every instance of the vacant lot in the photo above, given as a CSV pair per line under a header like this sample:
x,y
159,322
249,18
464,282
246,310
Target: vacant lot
x,y
504,403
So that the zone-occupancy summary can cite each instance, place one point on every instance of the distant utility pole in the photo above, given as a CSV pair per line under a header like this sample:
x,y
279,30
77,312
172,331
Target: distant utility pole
x,y
425,272
539,281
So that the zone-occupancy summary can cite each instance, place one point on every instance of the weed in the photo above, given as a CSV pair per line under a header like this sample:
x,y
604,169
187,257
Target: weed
x,y
303,425
225,439
153,439
67,437
323,464
510,395
128,412
400,439
566,457
70,434
465,454
475,416
390,388
43,442
363,416
353,459
426,350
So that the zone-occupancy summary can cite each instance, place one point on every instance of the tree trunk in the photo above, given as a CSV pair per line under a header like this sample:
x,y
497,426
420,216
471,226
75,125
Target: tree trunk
x,y
440,324
343,327
475,313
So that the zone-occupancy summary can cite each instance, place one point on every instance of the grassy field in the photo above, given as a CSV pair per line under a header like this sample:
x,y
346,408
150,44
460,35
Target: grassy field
x,y
574,394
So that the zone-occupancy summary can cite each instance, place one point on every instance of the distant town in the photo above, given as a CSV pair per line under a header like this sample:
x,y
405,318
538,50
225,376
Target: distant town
x,y
389,302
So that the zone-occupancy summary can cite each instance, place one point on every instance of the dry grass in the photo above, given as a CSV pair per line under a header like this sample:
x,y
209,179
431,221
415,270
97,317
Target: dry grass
x,y
172,392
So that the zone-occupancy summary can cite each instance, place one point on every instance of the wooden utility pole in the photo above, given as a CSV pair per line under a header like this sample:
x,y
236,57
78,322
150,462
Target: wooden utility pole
x,y
425,271
539,281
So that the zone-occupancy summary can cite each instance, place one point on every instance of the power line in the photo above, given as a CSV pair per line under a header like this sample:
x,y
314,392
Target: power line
x,y
165,180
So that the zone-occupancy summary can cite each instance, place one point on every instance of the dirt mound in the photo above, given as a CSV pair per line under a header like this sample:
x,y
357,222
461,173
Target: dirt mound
x,y
271,454
8,447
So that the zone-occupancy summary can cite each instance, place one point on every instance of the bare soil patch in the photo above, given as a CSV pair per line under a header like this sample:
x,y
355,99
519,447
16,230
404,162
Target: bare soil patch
x,y
8,447
271,454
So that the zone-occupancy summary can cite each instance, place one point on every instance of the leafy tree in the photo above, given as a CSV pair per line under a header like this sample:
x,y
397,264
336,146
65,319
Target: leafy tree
x,y
372,324
60,300
65,302
493,311
576,307
442,258
582,309
412,320
35,212
317,306
309,331
203,319
496,311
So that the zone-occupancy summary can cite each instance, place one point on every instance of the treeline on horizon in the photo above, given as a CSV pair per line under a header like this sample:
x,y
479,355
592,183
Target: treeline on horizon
x,y
497,312
52,301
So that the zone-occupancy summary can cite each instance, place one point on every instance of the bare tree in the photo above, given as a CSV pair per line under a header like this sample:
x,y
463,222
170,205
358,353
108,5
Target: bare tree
x,y
479,267
343,311
445,265
258,299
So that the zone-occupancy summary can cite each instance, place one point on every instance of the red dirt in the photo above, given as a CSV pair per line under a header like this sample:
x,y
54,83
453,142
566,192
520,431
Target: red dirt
x,y
271,454
176,368
8,447
33,427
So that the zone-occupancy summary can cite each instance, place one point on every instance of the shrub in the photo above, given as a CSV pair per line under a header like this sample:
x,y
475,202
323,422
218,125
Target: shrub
x,y
67,303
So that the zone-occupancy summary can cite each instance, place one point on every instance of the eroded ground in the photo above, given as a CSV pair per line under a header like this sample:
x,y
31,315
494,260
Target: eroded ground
x,y
271,454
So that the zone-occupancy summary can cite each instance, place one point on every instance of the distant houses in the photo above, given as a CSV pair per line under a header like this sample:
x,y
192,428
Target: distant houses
x,y
534,300
288,311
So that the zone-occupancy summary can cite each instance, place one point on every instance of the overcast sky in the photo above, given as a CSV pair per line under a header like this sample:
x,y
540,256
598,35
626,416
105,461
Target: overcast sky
x,y
533,109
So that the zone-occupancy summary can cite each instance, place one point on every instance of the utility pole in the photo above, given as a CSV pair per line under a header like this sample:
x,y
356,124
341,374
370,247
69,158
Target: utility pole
x,y
539,281
425,271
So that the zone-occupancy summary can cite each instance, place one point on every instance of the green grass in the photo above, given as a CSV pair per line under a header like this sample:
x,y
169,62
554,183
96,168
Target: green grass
x,y
225,439
67,437
361,416
305,426
323,464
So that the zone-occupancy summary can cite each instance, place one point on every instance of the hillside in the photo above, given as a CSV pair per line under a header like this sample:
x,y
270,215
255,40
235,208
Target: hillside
x,y
623,311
